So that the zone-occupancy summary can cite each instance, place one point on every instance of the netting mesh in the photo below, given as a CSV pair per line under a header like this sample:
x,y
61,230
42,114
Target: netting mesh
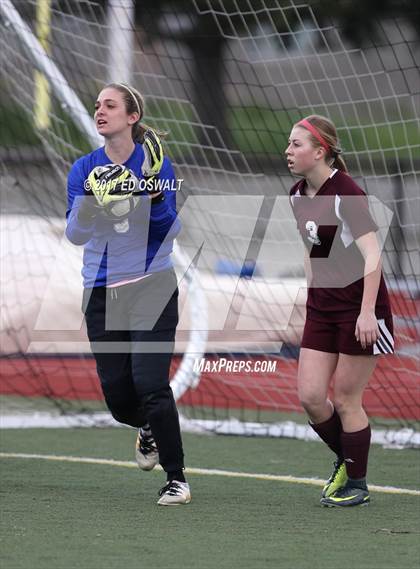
x,y
226,80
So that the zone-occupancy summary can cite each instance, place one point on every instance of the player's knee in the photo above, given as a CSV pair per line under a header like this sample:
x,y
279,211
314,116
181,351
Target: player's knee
x,y
311,402
345,403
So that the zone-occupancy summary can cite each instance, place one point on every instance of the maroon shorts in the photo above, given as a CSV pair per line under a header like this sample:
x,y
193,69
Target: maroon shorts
x,y
338,337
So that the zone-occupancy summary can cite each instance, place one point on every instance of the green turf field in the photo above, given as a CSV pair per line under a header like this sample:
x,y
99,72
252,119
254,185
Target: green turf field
x,y
77,515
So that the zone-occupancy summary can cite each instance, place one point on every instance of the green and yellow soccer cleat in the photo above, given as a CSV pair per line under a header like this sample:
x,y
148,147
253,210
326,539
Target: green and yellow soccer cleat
x,y
347,496
337,479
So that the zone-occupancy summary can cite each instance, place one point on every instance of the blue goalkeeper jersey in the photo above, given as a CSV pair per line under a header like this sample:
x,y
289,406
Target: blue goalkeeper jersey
x,y
111,256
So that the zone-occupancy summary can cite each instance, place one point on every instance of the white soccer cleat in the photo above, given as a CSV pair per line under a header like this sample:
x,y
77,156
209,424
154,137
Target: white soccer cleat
x,y
174,493
147,455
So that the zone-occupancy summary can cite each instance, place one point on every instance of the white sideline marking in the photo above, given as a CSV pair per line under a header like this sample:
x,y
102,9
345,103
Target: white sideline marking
x,y
204,471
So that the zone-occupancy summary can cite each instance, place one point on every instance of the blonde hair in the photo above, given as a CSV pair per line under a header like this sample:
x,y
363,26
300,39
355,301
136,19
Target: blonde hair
x,y
134,103
328,134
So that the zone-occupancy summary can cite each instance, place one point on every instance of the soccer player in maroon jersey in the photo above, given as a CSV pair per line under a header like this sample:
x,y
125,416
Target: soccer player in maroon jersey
x,y
348,314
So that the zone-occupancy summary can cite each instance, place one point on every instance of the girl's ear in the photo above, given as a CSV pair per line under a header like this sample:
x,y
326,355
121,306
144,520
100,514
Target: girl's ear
x,y
320,153
133,118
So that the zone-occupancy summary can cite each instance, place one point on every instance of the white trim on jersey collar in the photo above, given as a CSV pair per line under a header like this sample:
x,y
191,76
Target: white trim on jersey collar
x,y
298,190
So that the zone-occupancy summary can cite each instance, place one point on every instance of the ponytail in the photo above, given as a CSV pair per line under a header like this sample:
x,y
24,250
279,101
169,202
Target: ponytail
x,y
339,163
139,129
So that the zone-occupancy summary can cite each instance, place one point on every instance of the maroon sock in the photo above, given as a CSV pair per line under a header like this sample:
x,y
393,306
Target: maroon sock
x,y
356,451
330,432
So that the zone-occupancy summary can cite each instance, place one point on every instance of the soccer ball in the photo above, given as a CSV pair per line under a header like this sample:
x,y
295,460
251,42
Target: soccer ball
x,y
122,208
115,188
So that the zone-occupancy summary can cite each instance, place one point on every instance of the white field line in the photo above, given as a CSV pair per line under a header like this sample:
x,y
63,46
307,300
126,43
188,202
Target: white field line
x,y
203,471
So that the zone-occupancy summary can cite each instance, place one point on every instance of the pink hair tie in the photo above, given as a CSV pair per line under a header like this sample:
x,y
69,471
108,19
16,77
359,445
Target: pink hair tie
x,y
305,123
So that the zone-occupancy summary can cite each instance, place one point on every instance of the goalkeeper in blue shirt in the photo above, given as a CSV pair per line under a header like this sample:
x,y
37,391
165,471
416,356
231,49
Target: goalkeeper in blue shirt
x,y
126,219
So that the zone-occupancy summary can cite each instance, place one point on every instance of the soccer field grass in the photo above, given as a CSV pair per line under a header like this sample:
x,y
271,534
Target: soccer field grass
x,y
57,514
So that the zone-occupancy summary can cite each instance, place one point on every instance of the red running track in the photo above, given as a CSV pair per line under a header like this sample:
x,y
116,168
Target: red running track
x,y
393,391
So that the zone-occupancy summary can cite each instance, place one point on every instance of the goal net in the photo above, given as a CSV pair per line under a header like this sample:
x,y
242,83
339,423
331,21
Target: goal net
x,y
227,80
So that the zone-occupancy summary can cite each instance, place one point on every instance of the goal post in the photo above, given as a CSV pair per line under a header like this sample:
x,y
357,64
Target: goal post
x,y
121,40
272,75
42,87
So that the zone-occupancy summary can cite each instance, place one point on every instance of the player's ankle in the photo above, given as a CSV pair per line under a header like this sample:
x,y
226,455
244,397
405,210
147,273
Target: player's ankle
x,y
175,475
357,483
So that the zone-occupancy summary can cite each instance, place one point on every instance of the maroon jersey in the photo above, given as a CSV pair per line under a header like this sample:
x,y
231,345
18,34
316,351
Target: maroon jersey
x,y
329,223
